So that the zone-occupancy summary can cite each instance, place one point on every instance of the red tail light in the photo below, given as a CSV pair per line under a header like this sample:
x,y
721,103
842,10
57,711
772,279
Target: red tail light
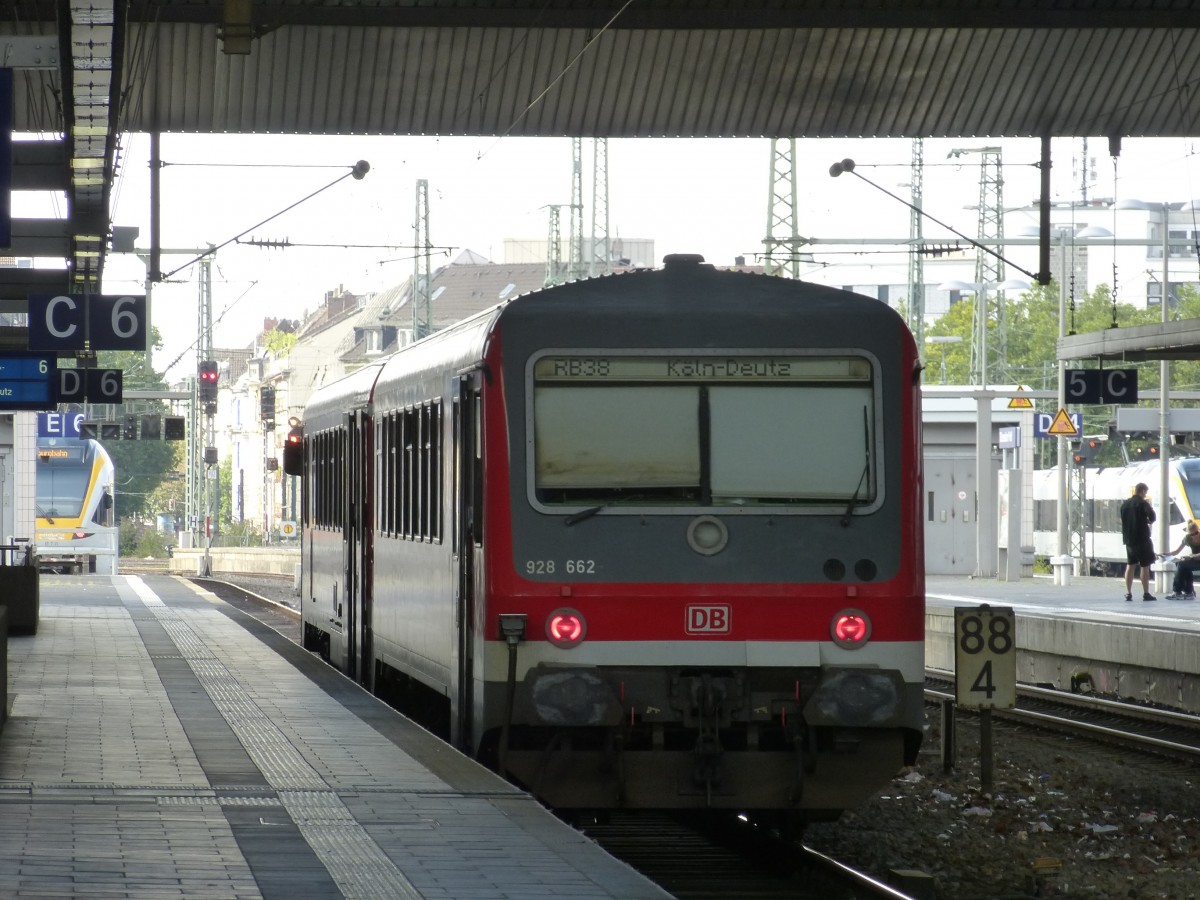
x,y
850,629
566,628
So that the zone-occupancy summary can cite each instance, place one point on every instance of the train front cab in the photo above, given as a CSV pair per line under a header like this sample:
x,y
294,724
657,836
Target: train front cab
x,y
802,691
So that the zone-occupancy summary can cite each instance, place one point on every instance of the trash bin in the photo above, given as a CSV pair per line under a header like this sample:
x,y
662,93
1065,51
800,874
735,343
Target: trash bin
x,y
22,594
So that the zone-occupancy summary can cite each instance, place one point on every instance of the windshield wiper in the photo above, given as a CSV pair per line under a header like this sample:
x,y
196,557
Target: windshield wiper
x,y
854,498
862,479
45,515
574,518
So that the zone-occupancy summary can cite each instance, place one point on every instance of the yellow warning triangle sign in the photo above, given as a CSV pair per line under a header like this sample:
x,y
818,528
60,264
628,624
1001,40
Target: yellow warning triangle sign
x,y
1020,402
1062,426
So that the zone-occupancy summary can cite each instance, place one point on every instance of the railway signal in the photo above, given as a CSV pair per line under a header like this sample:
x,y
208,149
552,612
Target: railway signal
x,y
293,448
266,398
208,386
1083,452
129,432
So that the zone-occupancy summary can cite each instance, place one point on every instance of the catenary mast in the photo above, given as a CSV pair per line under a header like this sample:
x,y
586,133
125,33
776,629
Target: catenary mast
x,y
782,243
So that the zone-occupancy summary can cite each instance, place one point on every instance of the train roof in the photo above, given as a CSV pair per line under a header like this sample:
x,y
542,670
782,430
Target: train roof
x,y
330,402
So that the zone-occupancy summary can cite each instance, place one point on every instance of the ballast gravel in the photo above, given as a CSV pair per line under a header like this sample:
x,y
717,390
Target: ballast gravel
x,y
1064,818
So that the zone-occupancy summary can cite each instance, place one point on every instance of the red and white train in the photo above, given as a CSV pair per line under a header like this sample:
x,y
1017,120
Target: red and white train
x,y
651,540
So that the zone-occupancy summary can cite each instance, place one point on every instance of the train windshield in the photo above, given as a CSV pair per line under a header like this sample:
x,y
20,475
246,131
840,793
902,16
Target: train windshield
x,y
709,430
63,475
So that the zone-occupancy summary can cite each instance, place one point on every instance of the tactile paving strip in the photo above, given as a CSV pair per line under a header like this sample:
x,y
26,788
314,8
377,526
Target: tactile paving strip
x,y
356,863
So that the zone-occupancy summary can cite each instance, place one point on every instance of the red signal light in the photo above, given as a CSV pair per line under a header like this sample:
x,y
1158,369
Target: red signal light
x,y
850,629
566,628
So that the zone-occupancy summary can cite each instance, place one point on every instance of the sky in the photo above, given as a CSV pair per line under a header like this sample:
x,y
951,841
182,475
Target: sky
x,y
688,195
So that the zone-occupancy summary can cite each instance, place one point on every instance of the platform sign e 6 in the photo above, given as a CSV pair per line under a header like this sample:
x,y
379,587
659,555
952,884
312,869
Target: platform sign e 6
x,y
59,425
985,657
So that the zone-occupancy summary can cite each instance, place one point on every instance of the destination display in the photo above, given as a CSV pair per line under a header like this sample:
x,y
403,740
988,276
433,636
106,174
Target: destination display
x,y
27,381
706,368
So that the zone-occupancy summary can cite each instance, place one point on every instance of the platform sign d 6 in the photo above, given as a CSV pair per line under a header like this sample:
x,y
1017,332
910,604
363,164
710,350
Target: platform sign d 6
x,y
985,657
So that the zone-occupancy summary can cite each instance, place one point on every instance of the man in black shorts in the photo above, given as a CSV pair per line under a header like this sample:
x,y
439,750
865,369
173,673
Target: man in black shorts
x,y
1136,518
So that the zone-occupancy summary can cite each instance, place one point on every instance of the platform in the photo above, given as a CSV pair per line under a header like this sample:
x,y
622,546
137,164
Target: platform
x,y
1083,632
163,744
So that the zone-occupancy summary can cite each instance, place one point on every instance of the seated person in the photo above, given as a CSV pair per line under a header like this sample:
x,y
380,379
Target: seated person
x,y
1185,568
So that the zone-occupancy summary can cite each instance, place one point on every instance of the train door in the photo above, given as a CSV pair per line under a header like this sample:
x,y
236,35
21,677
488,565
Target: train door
x,y
357,507
949,516
466,497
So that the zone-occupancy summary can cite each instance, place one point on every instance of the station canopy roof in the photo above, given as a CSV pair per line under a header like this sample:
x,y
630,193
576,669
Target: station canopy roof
x,y
90,70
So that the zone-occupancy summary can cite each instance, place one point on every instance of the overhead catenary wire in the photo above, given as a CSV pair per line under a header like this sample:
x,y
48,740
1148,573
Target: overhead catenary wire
x,y
358,171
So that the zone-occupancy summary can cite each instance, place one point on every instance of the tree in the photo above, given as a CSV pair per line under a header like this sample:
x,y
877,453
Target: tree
x,y
1032,320
278,343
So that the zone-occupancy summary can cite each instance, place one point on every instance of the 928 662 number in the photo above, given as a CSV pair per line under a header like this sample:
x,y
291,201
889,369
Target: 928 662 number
x,y
550,567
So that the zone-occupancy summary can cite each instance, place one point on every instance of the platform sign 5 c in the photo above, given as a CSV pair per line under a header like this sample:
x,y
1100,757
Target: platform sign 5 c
x,y
985,657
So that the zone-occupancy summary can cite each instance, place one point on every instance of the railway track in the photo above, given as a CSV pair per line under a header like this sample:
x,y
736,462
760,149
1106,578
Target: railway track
x,y
1145,729
727,857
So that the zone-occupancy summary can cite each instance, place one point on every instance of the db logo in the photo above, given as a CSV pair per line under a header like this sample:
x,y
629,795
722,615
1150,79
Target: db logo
x,y
707,620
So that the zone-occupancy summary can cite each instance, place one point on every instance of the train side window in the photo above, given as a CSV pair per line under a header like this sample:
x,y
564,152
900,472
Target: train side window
x,y
476,475
103,514
422,516
387,499
339,479
319,479
329,474
435,472
327,480
408,463
1045,515
314,477
379,476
